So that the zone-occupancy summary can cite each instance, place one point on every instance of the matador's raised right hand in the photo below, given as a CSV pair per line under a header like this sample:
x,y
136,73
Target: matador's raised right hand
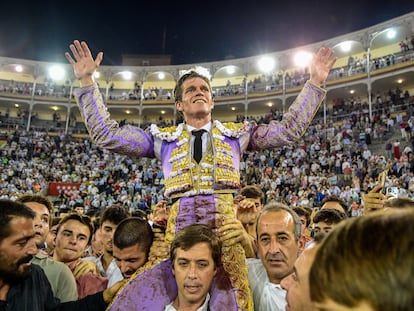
x,y
84,66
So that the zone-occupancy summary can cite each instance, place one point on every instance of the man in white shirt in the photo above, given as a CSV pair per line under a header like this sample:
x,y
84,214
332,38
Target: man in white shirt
x,y
278,231
195,255
110,218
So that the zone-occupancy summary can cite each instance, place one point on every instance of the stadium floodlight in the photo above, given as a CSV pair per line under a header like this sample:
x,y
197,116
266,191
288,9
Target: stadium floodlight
x,y
19,68
391,33
302,59
126,75
266,64
345,46
230,69
56,72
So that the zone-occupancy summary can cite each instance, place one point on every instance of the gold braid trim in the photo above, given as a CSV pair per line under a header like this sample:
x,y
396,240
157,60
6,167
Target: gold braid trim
x,y
233,259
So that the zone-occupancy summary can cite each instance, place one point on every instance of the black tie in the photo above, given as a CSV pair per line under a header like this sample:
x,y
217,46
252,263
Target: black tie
x,y
198,144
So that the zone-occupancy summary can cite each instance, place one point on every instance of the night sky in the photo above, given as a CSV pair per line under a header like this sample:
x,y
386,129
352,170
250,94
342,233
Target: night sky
x,y
196,31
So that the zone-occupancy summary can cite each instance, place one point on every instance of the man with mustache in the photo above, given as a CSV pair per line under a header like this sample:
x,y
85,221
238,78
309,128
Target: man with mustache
x,y
24,285
59,275
278,230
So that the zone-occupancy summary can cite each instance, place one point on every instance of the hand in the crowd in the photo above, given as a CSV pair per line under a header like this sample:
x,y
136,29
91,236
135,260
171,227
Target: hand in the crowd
x,y
98,252
238,198
322,63
246,211
314,211
84,66
159,248
161,211
109,293
246,204
374,199
232,232
85,266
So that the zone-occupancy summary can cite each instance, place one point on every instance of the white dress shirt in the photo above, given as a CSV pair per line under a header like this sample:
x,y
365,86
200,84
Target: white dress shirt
x,y
113,273
266,295
243,139
204,307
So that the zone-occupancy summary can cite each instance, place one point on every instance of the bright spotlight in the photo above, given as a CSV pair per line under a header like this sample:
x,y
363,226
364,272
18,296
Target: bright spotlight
x,y
18,68
391,34
230,70
266,64
346,46
302,59
161,75
56,72
127,75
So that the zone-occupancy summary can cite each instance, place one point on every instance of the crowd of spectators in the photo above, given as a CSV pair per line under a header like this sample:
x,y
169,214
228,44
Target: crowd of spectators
x,y
333,159
341,159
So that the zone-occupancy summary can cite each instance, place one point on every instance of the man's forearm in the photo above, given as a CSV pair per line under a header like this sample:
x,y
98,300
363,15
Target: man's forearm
x,y
93,302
